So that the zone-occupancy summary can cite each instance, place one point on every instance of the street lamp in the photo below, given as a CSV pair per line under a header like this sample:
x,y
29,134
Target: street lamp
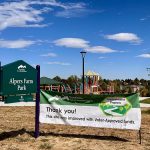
x,y
83,53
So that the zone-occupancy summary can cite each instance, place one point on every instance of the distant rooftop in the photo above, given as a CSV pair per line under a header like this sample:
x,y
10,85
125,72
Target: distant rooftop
x,y
48,81
91,73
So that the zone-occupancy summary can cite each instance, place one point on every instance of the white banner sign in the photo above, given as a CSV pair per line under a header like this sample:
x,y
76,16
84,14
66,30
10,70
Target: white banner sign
x,y
111,112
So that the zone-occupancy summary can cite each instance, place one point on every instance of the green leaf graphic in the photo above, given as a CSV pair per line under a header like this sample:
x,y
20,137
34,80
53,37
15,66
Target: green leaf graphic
x,y
115,106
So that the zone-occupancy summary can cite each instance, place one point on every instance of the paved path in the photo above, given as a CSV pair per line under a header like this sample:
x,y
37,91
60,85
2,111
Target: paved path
x,y
33,103
144,105
142,98
18,104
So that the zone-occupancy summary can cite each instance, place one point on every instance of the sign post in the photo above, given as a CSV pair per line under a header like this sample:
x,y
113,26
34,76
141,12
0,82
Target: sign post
x,y
0,80
37,107
140,136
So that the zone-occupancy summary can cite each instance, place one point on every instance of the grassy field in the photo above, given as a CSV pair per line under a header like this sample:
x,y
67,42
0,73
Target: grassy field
x,y
17,130
147,101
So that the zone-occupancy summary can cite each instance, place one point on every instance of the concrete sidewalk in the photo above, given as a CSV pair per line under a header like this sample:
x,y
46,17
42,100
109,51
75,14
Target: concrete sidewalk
x,y
33,104
142,98
144,105
18,104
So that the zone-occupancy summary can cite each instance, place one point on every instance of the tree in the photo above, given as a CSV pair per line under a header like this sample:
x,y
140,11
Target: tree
x,y
136,81
117,84
144,92
57,78
125,90
143,82
104,86
73,79
130,90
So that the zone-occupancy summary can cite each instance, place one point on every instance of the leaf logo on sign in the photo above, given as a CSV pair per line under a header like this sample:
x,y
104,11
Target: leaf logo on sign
x,y
22,68
115,106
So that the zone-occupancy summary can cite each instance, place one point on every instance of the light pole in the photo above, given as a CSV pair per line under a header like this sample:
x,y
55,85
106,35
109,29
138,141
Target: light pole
x,y
83,53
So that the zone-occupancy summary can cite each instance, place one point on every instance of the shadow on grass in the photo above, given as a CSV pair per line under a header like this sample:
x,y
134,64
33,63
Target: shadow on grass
x,y
12,134
84,136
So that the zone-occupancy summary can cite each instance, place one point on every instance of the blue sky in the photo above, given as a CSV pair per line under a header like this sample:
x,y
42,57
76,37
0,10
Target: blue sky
x,y
51,33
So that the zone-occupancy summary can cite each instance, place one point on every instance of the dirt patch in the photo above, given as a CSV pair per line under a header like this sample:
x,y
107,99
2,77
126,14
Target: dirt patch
x,y
17,130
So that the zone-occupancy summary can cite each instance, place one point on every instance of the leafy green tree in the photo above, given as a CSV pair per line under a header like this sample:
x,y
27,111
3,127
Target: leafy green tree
x,y
73,79
144,92
57,78
104,86
130,90
143,82
117,84
136,81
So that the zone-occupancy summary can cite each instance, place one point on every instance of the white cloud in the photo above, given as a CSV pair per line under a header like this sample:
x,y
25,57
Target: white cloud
x,y
36,25
19,14
24,13
144,55
16,43
145,18
100,49
101,57
58,63
72,42
76,12
125,37
123,51
69,13
82,44
49,55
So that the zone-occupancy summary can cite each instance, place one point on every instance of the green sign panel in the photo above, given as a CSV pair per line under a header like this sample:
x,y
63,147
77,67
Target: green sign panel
x,y
21,98
18,78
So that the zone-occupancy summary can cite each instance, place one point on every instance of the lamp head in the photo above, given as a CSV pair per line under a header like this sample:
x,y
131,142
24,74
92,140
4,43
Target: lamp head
x,y
83,53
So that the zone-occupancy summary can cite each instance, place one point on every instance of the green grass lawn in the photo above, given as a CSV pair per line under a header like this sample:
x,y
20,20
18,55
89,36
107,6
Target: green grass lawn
x,y
147,101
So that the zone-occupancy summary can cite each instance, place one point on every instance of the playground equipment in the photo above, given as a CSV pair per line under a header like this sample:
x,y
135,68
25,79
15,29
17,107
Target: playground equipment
x,y
52,85
91,82
92,86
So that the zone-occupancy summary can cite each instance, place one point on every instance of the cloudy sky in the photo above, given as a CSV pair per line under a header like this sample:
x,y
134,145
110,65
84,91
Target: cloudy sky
x,y
52,33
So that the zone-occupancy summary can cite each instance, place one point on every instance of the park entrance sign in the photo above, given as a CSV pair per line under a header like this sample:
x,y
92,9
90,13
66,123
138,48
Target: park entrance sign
x,y
18,81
